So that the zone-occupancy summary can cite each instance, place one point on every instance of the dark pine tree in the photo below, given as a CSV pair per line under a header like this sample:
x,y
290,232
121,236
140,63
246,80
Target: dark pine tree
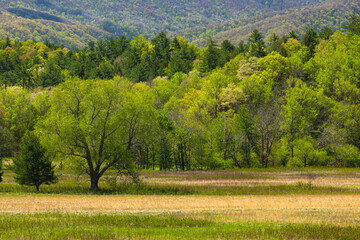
x,y
32,166
211,56
257,44
310,40
325,33
294,35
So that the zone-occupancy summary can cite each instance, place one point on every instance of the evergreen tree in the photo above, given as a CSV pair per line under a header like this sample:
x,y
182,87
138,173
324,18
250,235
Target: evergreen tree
x,y
354,23
51,75
32,166
274,43
211,56
7,43
227,52
243,47
161,54
310,40
294,35
257,44
325,33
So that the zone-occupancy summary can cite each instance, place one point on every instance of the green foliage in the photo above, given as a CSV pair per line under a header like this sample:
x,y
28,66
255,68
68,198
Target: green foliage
x,y
210,57
32,165
124,105
354,23
257,46
348,156
325,33
89,120
310,40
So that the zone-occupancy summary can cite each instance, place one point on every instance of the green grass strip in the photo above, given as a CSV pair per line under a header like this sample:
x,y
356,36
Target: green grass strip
x,y
112,226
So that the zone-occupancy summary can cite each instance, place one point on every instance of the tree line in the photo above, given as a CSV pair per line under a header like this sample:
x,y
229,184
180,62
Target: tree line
x,y
167,105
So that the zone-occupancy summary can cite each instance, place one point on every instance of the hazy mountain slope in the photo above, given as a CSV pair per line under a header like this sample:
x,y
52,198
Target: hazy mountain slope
x,y
71,34
332,14
77,21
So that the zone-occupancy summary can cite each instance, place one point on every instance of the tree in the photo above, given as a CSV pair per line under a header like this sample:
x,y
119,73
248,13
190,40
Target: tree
x,y
161,54
32,166
210,56
302,109
6,141
245,131
274,43
294,35
182,56
97,123
325,33
268,126
243,47
51,75
257,45
310,40
227,52
354,23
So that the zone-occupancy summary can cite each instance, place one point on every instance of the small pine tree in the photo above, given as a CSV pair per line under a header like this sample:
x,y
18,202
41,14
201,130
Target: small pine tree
x,y
32,166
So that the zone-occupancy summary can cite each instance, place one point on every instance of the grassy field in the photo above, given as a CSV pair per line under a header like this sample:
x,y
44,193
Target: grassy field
x,y
247,204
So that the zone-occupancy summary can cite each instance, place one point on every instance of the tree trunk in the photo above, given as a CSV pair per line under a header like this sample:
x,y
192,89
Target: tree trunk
x,y
182,158
94,178
37,188
237,163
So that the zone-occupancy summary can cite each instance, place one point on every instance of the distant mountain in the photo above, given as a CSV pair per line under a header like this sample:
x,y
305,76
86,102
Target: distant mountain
x,y
75,22
332,14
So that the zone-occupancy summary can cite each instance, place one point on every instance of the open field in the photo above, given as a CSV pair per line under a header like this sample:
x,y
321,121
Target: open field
x,y
174,203
234,182
250,204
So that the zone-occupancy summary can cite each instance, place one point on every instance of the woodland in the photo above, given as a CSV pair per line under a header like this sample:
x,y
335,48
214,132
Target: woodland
x,y
75,23
165,104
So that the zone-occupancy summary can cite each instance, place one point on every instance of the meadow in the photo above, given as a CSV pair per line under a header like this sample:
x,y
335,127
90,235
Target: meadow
x,y
233,204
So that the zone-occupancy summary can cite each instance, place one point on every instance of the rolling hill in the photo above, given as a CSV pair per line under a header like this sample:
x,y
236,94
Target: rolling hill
x,y
73,23
332,14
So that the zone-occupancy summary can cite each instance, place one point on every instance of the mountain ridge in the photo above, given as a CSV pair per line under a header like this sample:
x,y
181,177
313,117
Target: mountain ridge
x,y
77,22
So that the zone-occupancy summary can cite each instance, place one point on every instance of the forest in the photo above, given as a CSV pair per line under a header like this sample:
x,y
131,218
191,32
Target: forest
x,y
75,23
165,104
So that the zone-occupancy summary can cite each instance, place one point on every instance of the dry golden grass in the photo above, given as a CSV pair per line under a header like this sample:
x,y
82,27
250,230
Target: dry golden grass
x,y
175,203
338,217
236,178
333,178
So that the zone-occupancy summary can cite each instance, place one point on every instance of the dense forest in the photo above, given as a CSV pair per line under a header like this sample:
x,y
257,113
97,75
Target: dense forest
x,y
75,23
166,104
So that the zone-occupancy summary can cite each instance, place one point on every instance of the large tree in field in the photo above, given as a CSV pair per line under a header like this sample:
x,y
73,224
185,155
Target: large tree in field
x,y
95,122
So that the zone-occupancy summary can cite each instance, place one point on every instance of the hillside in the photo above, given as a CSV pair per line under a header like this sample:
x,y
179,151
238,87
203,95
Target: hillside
x,y
69,33
332,14
74,23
